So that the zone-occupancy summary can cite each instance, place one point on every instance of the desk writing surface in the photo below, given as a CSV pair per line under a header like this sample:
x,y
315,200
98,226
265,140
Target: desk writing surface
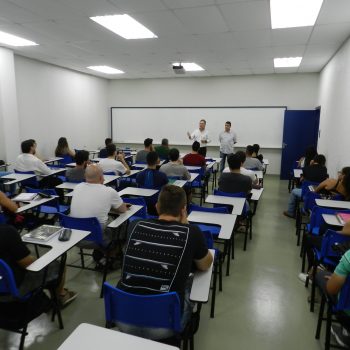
x,y
16,178
52,160
332,220
132,172
125,216
266,161
190,167
57,249
89,337
201,283
256,194
237,203
193,176
33,204
297,173
55,171
135,191
328,203
259,174
225,221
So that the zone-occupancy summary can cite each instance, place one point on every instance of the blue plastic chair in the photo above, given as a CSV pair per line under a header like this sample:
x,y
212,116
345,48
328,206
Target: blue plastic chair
x,y
200,182
33,182
142,213
66,160
152,311
10,320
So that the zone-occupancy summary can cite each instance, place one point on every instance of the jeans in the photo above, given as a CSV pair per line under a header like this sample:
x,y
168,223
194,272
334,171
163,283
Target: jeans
x,y
223,160
294,196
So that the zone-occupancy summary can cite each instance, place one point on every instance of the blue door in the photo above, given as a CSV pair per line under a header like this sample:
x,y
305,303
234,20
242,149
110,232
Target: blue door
x,y
300,130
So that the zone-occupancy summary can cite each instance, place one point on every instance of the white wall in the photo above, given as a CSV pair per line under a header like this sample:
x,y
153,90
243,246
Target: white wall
x,y
334,98
55,102
296,91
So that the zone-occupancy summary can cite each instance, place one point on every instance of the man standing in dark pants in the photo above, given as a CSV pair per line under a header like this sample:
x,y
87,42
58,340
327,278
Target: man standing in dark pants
x,y
202,136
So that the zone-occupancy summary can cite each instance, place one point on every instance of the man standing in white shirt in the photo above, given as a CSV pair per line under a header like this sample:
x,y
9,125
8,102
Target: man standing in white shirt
x,y
202,136
227,139
110,164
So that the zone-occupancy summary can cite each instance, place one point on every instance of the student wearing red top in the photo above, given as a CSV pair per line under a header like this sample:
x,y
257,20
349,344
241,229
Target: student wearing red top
x,y
194,158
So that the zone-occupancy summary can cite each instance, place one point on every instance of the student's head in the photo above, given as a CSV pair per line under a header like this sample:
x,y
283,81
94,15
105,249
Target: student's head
x,y
310,154
111,149
195,146
152,158
165,142
28,146
148,143
62,143
94,174
320,159
249,150
256,148
174,154
227,126
202,124
241,156
234,162
108,141
82,157
171,201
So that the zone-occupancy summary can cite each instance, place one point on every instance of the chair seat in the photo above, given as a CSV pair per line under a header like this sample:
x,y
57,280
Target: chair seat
x,y
45,209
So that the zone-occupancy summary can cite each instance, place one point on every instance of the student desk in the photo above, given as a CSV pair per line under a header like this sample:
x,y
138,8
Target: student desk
x,y
94,152
71,185
125,216
259,174
15,178
194,168
52,160
328,203
332,220
55,171
4,166
179,183
226,223
58,248
235,202
256,194
143,166
89,337
33,204
297,173
135,191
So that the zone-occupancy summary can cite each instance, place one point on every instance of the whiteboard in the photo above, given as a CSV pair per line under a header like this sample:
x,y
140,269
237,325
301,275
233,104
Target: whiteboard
x,y
262,125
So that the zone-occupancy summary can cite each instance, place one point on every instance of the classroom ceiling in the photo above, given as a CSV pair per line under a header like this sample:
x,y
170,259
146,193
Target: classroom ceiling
x,y
225,37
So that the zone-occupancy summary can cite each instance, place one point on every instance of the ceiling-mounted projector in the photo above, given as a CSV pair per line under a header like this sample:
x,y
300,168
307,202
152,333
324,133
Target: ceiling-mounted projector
x,y
178,69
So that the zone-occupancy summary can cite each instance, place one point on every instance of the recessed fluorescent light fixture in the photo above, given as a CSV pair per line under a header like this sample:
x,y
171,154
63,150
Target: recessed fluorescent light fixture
x,y
106,69
287,62
189,66
13,40
294,13
125,26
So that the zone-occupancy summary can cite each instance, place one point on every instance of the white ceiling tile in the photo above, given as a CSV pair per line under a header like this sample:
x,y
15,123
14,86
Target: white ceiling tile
x,y
262,70
16,13
334,11
321,50
289,51
130,6
202,20
253,38
291,36
92,7
286,70
334,33
178,4
247,15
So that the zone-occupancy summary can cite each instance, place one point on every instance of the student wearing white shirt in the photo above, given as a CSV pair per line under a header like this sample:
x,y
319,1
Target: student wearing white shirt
x,y
202,136
227,139
110,164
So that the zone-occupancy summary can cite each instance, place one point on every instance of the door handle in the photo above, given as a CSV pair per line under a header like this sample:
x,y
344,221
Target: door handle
x,y
284,145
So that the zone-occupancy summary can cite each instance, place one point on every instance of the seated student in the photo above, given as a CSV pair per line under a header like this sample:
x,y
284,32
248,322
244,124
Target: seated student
x,y
244,171
119,166
310,154
163,149
194,158
27,161
16,254
142,155
103,151
234,181
6,204
256,149
93,199
175,166
63,149
173,263
315,172
336,186
77,174
250,162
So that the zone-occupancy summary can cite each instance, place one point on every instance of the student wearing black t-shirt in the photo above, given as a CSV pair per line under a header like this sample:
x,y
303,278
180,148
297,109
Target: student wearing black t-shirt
x,y
16,254
165,269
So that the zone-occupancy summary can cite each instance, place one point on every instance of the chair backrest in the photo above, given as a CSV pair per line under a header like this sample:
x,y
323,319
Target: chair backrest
x,y
310,200
33,182
228,194
66,159
221,210
208,238
305,187
85,224
153,311
330,238
7,280
138,201
344,296
316,219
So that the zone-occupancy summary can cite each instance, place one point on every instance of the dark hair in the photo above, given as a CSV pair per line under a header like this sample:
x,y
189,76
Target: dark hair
x,y
108,140
165,142
249,150
174,154
320,159
310,154
346,181
111,148
171,200
81,157
196,146
152,158
256,148
147,142
241,156
229,123
62,147
203,120
27,145
234,161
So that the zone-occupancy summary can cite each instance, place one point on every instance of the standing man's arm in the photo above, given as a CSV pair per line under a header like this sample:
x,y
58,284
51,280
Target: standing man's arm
x,y
190,136
234,138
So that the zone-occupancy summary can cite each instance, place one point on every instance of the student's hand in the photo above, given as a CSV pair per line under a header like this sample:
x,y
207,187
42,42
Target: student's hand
x,y
128,205
204,141
120,156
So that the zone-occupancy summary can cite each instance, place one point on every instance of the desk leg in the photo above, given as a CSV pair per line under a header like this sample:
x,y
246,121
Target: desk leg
x,y
228,256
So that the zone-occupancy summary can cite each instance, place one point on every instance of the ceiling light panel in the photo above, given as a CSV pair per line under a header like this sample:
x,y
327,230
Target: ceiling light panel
x,y
284,62
13,40
106,69
189,66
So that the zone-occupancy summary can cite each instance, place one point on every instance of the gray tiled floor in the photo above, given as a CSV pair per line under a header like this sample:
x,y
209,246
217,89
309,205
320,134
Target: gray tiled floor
x,y
263,304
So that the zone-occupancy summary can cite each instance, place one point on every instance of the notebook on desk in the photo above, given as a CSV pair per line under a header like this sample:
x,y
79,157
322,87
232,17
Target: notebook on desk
x,y
25,197
43,233
343,218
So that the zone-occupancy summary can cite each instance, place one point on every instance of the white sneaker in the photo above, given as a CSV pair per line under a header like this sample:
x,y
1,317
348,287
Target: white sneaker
x,y
302,277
